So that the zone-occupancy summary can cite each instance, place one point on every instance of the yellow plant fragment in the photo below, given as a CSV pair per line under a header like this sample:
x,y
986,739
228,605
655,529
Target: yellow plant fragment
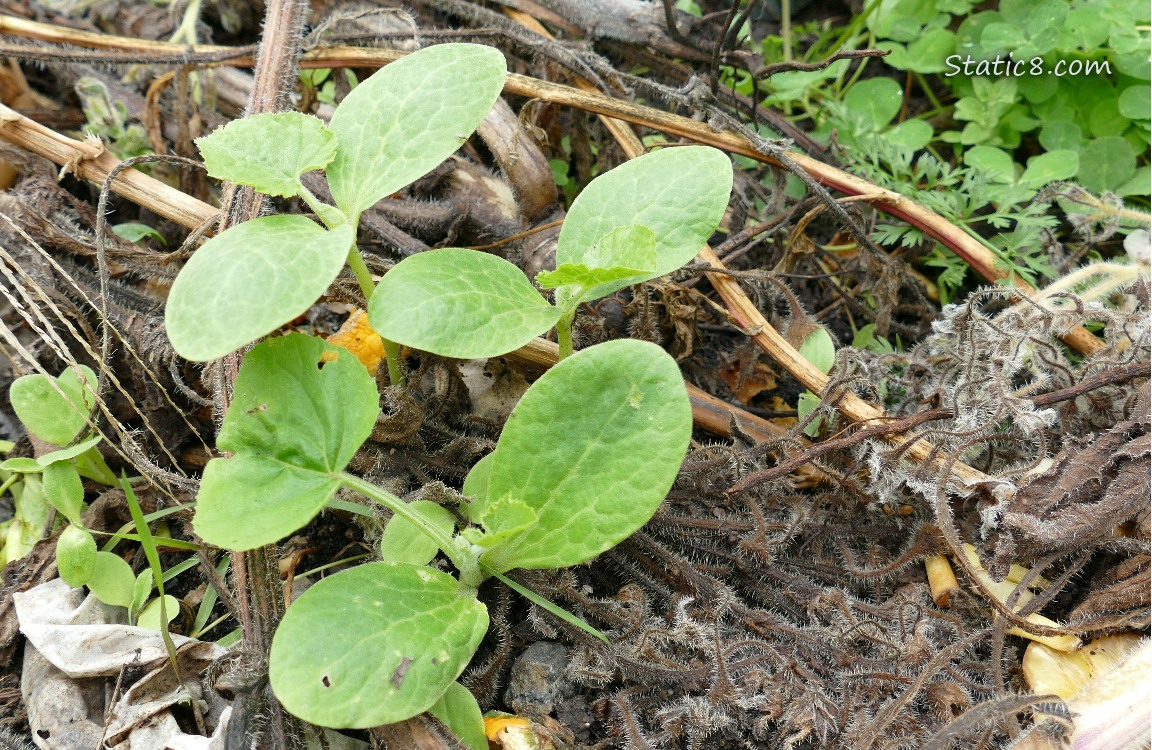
x,y
1052,672
358,337
509,732
1003,589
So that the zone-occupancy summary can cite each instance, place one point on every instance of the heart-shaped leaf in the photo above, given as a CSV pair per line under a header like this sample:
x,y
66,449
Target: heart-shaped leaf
x,y
268,151
459,303
249,280
408,117
55,410
624,419
293,426
679,194
374,645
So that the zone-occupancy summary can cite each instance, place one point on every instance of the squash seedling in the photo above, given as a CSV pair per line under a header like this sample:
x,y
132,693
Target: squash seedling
x,y
639,221
585,459
389,131
55,410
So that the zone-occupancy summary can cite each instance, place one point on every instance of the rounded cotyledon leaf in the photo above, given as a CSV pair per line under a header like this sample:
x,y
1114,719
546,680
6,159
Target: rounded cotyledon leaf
x,y
592,448
408,117
678,194
293,425
459,303
374,645
55,409
249,280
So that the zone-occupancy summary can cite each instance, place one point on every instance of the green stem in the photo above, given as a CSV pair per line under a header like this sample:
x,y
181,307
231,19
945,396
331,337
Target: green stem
x,y
564,333
360,269
468,565
91,464
392,357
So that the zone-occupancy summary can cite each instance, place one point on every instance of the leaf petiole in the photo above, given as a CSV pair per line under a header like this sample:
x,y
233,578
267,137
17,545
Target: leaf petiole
x,y
467,564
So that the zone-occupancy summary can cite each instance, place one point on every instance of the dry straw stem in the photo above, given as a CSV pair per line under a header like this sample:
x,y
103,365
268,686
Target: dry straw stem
x,y
982,260
86,162
89,160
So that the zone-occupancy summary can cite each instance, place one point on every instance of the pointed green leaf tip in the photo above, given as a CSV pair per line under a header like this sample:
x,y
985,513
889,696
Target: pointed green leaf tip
x,y
374,645
408,117
293,426
625,418
249,280
269,151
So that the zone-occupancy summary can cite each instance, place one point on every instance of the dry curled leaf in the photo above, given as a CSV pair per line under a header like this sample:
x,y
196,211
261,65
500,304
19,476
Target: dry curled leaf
x,y
1090,489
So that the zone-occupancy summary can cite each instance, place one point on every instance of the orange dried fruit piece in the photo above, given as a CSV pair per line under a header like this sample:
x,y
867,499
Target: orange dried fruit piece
x,y
358,337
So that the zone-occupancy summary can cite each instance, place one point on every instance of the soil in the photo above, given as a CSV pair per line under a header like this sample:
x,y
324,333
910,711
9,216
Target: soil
x,y
779,598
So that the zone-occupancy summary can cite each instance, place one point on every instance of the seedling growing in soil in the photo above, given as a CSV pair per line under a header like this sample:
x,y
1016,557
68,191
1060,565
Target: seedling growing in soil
x,y
55,410
390,130
585,459
639,221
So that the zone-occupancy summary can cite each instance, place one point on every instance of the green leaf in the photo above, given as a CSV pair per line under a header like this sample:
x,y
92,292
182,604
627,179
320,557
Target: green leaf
x,y
679,194
71,451
1105,119
995,163
1106,164
22,465
877,100
819,349
502,519
112,580
292,427
1050,167
141,588
134,231
459,303
807,402
408,117
268,151
1084,29
1135,102
592,448
403,542
1139,184
55,410
460,712
75,555
600,275
64,490
249,280
910,135
373,645
926,54
581,275
476,483
150,617
1061,134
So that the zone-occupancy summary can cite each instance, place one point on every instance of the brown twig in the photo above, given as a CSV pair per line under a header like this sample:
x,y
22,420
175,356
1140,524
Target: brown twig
x,y
898,426
850,54
981,259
